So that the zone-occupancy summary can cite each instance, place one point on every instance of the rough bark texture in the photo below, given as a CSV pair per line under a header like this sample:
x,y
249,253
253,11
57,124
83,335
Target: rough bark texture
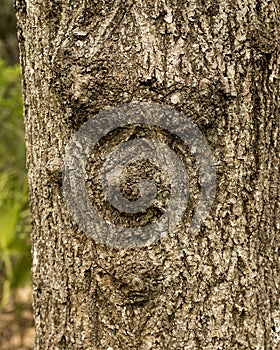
x,y
218,63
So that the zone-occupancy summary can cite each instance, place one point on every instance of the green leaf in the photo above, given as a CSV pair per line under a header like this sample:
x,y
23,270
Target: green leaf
x,y
9,215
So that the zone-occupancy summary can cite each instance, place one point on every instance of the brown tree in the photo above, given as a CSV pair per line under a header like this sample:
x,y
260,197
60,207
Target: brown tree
x,y
218,63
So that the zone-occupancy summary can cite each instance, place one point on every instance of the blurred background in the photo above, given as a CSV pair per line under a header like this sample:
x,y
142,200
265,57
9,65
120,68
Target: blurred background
x,y
16,321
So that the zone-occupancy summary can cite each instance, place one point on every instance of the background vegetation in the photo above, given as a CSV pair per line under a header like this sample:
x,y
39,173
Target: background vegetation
x,y
8,37
15,256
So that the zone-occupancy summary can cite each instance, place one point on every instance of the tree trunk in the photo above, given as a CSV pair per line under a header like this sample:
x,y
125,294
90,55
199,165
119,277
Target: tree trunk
x,y
217,63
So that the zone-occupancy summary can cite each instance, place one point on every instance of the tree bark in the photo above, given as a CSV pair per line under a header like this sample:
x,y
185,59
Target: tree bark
x,y
216,62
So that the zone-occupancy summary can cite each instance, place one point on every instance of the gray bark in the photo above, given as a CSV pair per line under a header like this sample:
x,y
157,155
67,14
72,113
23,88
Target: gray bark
x,y
218,63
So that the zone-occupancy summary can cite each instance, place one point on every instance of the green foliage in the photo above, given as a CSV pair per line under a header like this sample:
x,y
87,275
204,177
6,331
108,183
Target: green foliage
x,y
8,38
15,257
12,151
